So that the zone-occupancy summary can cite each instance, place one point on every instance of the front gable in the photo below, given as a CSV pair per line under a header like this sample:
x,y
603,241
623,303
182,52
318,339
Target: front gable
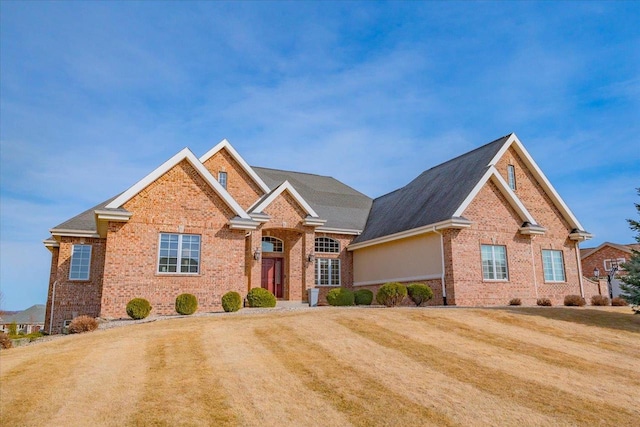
x,y
243,183
285,205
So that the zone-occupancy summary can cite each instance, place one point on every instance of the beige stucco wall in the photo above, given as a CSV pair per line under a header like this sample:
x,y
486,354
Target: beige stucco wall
x,y
413,258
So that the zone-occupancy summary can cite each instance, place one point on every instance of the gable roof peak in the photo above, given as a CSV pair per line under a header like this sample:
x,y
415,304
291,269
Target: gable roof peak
x,y
226,145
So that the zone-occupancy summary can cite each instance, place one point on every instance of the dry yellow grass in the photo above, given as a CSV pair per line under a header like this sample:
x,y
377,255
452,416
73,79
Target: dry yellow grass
x,y
331,366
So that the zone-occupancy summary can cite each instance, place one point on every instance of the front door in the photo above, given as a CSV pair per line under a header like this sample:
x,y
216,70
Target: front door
x,y
272,276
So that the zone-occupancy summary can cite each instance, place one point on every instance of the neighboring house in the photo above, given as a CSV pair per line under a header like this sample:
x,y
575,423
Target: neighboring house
x,y
27,321
600,261
480,229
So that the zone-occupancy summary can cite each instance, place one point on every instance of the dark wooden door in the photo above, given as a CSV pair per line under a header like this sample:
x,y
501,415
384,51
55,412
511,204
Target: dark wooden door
x,y
272,276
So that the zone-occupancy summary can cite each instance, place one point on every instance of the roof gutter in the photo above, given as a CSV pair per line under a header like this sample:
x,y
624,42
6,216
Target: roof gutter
x,y
456,222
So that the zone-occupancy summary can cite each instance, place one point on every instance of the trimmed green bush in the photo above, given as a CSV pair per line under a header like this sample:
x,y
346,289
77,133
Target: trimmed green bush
x,y
231,301
260,297
340,297
83,324
363,297
419,293
186,304
391,294
574,301
138,308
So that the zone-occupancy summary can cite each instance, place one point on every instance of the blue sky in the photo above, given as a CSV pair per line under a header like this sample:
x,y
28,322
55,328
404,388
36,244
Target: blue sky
x,y
95,95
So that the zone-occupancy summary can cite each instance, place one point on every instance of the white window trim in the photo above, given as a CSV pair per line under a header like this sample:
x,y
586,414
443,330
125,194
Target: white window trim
x,y
493,260
315,245
178,272
609,261
71,264
553,267
224,181
511,177
329,272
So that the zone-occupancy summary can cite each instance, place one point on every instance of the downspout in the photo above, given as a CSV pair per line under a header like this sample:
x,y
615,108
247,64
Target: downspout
x,y
444,289
579,269
533,263
53,297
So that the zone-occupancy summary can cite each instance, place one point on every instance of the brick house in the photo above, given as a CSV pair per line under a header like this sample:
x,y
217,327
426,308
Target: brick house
x,y
480,229
600,260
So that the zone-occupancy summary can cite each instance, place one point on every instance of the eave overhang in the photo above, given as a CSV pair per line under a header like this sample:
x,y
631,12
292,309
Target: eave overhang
x,y
239,223
313,221
455,223
260,217
532,229
580,235
51,243
348,231
104,216
60,232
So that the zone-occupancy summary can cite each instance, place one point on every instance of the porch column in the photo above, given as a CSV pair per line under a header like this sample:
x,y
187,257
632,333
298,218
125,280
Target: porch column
x,y
308,269
255,267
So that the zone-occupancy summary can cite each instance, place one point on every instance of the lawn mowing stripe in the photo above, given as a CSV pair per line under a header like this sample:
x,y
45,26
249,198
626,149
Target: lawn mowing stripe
x,y
22,389
364,400
171,398
539,397
544,354
580,338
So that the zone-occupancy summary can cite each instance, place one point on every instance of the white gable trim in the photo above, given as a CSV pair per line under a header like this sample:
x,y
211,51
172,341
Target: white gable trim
x,y
285,186
238,158
187,155
493,175
540,176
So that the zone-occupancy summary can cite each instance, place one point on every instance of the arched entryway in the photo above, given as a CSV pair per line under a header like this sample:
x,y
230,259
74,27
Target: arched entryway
x,y
272,277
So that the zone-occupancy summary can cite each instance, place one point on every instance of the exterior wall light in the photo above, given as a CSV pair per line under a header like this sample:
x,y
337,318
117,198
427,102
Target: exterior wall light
x,y
256,254
596,272
311,257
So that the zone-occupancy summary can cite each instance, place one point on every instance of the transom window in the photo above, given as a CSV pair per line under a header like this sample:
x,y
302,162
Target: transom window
x,y
494,262
179,253
327,272
222,179
553,265
272,244
80,262
327,245
511,175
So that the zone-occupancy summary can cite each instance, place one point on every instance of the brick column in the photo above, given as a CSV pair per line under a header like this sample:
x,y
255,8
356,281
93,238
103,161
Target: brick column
x,y
255,275
309,278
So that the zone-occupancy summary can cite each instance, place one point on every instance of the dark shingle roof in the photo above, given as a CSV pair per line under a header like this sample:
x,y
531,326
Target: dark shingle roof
x,y
85,221
342,206
432,197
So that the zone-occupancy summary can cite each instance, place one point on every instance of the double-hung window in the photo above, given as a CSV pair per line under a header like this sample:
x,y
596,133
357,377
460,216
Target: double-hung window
x,y
80,262
553,266
494,262
327,272
179,253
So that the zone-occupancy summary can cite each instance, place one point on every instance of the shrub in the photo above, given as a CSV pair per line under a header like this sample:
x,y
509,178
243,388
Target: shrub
x,y
83,324
363,297
599,300
13,328
231,301
419,293
544,302
619,302
340,297
186,304
574,301
517,301
260,297
5,341
391,294
138,308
